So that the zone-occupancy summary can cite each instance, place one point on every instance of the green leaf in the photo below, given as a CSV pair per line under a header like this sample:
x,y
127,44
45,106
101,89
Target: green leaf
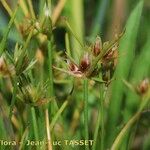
x,y
127,45
4,39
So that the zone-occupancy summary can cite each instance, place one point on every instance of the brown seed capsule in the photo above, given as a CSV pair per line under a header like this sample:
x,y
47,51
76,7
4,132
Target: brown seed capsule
x,y
97,46
111,54
143,87
72,66
85,63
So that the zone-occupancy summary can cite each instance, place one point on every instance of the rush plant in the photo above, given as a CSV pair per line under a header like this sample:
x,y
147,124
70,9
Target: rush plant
x,y
64,86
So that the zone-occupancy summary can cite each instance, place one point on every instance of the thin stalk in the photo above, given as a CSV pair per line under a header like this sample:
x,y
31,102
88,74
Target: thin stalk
x,y
4,39
61,109
86,112
48,130
22,142
73,33
100,121
34,122
50,58
123,132
99,19
13,96
24,8
102,116
57,11
67,44
10,12
77,23
31,8
49,5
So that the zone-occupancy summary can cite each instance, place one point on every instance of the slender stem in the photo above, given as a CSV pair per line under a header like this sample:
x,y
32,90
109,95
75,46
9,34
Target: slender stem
x,y
86,111
48,130
10,12
100,121
67,44
4,39
13,96
34,121
99,19
73,33
123,132
24,7
31,8
50,57
96,131
57,11
102,116
61,109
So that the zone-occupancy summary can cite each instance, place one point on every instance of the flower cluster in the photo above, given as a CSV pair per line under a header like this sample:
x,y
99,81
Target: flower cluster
x,y
100,58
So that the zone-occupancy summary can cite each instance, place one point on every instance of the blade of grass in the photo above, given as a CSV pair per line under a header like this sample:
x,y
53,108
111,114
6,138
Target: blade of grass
x,y
100,121
119,138
55,118
4,39
10,12
14,94
34,123
67,44
99,19
57,11
48,130
24,7
140,70
31,8
77,24
86,133
126,44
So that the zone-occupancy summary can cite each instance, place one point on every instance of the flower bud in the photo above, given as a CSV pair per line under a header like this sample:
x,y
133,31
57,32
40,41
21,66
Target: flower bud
x,y
85,63
72,67
143,87
97,46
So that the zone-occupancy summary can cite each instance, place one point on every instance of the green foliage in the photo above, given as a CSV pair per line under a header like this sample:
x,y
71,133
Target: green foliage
x,y
92,90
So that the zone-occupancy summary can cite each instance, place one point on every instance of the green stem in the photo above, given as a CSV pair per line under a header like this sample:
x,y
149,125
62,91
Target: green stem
x,y
34,121
67,44
50,58
102,116
100,120
13,96
4,39
61,109
86,111
123,132
54,107
49,139
99,19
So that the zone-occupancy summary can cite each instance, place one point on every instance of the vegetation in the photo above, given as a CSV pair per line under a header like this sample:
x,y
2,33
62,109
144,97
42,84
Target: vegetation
x,y
74,74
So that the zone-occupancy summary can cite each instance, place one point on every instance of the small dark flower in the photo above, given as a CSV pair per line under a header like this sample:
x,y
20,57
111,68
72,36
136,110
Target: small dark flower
x,y
108,63
143,87
97,46
85,63
72,66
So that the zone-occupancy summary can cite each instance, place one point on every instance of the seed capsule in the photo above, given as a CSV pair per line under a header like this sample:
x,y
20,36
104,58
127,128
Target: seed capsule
x,y
97,46
72,67
143,87
85,63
